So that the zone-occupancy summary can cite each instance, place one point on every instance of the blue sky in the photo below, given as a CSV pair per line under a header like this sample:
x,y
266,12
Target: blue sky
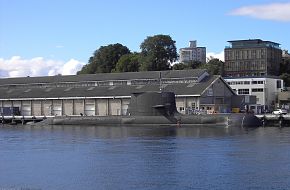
x,y
58,36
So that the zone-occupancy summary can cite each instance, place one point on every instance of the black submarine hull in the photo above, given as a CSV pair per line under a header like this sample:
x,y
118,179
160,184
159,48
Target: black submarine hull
x,y
157,108
223,120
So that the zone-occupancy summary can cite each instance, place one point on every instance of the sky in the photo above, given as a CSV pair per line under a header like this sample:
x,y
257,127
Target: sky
x,y
50,37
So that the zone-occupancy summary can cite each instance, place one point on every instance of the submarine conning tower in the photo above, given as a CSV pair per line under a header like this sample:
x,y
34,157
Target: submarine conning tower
x,y
152,104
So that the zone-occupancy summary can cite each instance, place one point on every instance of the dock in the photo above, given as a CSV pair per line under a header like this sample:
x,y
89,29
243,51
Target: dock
x,y
268,120
274,120
13,120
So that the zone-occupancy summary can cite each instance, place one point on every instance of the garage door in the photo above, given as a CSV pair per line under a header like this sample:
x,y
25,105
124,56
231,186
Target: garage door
x,y
124,109
57,110
90,109
26,110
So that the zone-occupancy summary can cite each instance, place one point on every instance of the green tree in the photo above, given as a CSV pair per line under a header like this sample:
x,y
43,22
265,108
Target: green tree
x,y
104,59
285,65
213,66
128,63
180,66
157,52
286,78
187,65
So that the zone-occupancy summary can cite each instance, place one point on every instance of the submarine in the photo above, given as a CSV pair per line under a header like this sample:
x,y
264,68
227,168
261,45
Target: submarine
x,y
158,109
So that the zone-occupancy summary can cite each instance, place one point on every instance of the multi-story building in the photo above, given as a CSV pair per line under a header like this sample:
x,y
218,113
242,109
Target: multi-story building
x,y
192,53
266,89
252,57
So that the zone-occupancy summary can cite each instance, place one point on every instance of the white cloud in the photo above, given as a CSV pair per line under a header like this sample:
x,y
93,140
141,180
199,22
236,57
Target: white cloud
x,y
219,56
38,66
274,11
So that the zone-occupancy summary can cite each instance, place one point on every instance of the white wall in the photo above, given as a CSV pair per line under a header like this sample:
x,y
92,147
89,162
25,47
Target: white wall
x,y
269,86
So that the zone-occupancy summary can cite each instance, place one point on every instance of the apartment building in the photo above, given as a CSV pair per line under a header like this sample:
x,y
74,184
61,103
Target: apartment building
x,y
192,53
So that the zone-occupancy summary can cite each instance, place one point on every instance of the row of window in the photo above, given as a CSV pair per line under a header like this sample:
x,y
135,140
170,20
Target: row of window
x,y
181,109
106,83
246,82
245,54
244,74
245,65
247,91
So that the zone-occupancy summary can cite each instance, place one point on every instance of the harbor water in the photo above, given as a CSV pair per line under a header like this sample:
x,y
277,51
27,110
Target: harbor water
x,y
163,158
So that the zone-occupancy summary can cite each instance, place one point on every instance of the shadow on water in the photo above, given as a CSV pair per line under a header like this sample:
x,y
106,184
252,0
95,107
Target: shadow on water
x,y
111,132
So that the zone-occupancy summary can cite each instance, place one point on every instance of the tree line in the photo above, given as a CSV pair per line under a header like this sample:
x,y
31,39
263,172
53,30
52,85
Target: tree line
x,y
285,70
157,53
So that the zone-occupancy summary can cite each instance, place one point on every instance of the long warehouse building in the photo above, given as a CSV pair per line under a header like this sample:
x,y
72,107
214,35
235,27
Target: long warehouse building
x,y
109,93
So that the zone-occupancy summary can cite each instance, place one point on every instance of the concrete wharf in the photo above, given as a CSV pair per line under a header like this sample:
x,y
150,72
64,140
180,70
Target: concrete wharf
x,y
268,120
275,120
12,120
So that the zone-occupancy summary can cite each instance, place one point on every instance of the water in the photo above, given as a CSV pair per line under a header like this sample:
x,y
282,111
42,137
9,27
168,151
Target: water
x,y
143,158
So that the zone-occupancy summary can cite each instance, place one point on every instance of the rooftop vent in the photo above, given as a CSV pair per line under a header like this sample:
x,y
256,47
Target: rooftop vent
x,y
68,89
9,91
28,90
91,88
139,86
112,87
191,85
48,89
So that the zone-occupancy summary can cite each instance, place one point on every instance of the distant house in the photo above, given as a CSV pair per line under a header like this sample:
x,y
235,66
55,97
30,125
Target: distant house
x,y
109,93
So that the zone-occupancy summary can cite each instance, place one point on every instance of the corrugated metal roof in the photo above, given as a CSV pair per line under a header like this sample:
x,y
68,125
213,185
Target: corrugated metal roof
x,y
103,77
104,91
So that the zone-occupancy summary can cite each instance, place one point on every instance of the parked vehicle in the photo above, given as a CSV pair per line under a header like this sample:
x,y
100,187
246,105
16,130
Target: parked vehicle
x,y
279,111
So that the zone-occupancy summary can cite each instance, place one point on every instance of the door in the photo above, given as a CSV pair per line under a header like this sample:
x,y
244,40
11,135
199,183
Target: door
x,y
26,110
90,109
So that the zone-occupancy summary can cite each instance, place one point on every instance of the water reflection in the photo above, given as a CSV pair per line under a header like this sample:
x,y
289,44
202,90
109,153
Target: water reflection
x,y
86,157
125,132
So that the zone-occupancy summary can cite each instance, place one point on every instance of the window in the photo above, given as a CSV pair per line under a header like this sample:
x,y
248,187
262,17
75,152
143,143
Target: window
x,y
193,105
243,91
210,92
120,82
278,83
257,90
258,82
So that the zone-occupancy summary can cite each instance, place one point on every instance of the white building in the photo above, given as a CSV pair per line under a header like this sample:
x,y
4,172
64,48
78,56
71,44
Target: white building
x,y
265,89
192,53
